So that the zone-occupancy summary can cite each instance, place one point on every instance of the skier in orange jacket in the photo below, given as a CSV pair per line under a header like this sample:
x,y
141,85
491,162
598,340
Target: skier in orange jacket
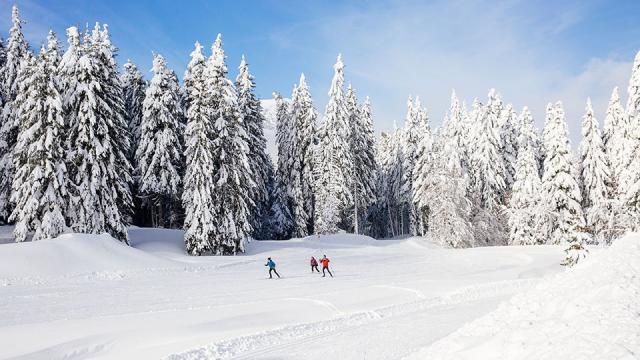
x,y
325,265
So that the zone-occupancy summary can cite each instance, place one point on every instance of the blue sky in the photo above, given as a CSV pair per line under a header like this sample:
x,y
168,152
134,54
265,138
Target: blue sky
x,y
532,52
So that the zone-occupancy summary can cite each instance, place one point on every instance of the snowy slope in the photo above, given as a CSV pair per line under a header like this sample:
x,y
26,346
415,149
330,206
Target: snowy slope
x,y
81,297
589,312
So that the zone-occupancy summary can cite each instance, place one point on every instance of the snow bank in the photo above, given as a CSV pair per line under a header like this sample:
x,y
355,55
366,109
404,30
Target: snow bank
x,y
591,311
72,254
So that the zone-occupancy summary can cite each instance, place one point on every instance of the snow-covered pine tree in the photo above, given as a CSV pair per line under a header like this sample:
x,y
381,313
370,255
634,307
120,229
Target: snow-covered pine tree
x,y
133,89
487,166
411,138
487,161
524,205
528,136
334,165
301,152
282,218
38,188
422,176
259,162
446,196
232,197
199,185
595,177
158,156
17,49
615,138
364,162
3,61
457,128
98,141
563,216
631,171
509,142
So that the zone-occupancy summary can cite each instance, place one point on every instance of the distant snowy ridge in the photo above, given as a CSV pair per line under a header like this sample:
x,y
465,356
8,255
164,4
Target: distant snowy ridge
x,y
589,312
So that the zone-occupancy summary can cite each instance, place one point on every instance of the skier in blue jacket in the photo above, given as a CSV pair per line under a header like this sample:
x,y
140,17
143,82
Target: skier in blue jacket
x,y
272,267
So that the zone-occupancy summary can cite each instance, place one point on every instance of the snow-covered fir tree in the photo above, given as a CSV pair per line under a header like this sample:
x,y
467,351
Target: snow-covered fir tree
x,y
509,142
282,218
158,156
259,162
334,165
364,162
630,182
233,184
486,160
411,138
563,217
38,188
98,142
422,177
133,89
524,205
595,177
456,126
199,185
528,136
16,52
3,61
301,159
445,194
489,183
615,139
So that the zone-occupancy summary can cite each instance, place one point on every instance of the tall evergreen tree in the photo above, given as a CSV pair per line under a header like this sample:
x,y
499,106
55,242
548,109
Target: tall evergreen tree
x,y
486,160
282,218
97,145
631,173
17,49
595,177
561,193
334,167
38,186
411,139
528,136
301,152
614,137
509,142
446,196
615,143
199,185
234,185
158,156
133,88
422,176
524,205
259,162
364,162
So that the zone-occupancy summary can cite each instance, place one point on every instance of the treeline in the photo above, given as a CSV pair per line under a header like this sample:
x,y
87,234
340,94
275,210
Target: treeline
x,y
86,148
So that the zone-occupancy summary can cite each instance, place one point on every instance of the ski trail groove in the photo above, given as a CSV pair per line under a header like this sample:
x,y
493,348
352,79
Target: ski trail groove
x,y
278,338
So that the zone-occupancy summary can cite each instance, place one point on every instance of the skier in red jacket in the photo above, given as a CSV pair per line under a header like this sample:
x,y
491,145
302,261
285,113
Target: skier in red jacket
x,y
314,264
325,265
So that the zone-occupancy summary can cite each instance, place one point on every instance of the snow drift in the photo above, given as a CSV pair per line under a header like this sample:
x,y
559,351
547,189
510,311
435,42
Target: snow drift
x,y
589,312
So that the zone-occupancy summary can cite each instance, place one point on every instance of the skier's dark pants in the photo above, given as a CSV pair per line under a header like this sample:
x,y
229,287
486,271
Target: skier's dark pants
x,y
314,267
326,268
274,270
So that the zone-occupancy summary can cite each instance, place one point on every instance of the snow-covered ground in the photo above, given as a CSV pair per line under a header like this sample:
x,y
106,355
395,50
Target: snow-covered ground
x,y
89,297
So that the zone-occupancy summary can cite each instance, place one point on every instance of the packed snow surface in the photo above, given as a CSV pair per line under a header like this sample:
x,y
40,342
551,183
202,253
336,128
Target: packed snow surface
x,y
590,312
90,297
